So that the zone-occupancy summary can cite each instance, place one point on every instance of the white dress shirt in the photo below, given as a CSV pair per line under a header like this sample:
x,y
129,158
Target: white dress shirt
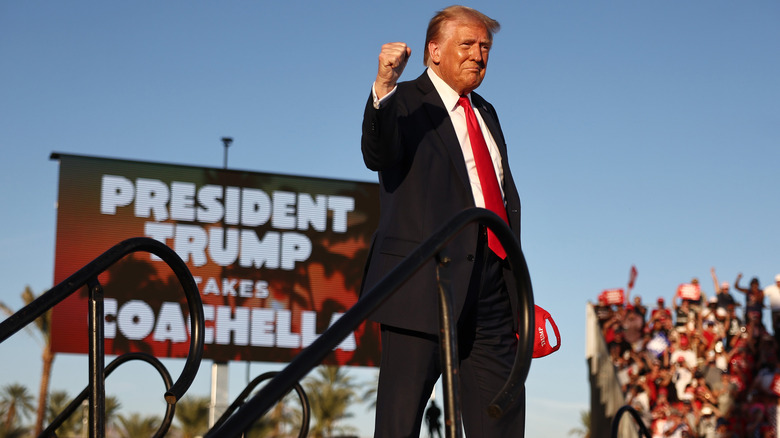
x,y
458,118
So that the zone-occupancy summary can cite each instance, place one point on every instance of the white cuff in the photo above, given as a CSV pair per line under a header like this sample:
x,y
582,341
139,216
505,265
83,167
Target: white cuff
x,y
378,102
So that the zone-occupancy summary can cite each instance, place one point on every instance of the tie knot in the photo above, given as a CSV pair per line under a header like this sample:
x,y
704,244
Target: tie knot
x,y
464,102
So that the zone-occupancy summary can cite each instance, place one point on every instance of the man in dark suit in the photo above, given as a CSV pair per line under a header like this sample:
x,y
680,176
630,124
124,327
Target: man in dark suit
x,y
431,150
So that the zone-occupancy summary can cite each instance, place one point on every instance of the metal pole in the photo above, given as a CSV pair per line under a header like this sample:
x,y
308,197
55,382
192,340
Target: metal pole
x,y
219,370
448,344
97,397
226,141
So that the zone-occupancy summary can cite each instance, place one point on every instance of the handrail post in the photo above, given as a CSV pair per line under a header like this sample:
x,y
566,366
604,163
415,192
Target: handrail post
x,y
97,396
114,364
448,345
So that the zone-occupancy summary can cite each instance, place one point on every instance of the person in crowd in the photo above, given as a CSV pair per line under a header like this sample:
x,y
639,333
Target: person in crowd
x,y
734,325
685,351
677,425
707,420
433,420
639,307
604,311
757,423
660,315
696,304
682,377
772,294
633,324
639,399
685,316
710,311
727,394
722,291
754,298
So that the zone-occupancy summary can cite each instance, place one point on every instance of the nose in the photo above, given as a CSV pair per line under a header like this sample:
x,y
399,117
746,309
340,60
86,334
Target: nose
x,y
476,53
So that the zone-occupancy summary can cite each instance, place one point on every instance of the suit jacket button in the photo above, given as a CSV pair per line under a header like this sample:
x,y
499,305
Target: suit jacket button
x,y
470,257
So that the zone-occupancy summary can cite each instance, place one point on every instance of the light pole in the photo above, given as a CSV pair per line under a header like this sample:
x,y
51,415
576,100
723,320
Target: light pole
x,y
226,141
219,370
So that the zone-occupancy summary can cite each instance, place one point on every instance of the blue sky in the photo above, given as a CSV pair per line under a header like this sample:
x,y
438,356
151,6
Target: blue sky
x,y
643,133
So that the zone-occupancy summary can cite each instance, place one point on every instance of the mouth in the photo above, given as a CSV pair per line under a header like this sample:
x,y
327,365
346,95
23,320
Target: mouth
x,y
474,68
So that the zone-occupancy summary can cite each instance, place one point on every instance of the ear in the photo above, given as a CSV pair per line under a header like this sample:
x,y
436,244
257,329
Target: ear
x,y
434,52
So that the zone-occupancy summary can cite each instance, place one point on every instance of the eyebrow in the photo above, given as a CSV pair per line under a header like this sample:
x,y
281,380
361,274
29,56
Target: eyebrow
x,y
472,41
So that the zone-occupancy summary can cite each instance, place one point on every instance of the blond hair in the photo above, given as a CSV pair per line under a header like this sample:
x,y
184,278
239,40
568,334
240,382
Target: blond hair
x,y
453,13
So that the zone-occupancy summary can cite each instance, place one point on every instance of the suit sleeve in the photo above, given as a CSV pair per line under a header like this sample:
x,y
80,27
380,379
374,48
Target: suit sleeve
x,y
380,141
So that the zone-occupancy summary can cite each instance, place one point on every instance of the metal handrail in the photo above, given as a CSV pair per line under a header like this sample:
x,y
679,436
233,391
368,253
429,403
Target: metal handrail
x,y
304,362
637,418
305,407
50,430
88,275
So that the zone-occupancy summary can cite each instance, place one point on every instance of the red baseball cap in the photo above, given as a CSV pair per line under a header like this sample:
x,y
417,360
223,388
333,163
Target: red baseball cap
x,y
542,345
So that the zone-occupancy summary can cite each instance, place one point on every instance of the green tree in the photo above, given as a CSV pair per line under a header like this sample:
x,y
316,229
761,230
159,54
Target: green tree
x,y
283,420
17,402
136,426
192,415
58,401
583,431
14,432
43,335
112,409
331,391
369,395
72,426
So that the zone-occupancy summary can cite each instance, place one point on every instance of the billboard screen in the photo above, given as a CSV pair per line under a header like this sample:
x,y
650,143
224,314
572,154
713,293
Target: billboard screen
x,y
277,258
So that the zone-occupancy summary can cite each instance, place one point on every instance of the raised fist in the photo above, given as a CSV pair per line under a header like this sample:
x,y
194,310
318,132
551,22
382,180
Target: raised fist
x,y
392,61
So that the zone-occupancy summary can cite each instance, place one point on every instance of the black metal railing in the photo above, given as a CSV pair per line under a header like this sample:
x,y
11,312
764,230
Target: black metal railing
x,y
239,401
88,275
433,247
69,410
637,418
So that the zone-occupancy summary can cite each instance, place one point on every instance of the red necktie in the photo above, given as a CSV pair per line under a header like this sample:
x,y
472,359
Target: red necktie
x,y
487,174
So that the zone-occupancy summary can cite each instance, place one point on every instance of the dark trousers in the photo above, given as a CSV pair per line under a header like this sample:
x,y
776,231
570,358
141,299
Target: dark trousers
x,y
411,365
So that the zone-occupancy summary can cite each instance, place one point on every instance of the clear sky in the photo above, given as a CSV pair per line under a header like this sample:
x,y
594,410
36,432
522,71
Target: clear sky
x,y
639,132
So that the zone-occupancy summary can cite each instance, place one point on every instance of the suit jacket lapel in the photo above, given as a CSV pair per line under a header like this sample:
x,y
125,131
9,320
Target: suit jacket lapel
x,y
493,126
441,123
490,121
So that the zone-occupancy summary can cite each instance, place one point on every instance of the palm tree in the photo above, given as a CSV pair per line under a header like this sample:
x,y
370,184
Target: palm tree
x,y
17,403
136,426
14,432
369,396
264,427
43,326
330,391
192,414
112,409
72,426
59,400
283,420
583,431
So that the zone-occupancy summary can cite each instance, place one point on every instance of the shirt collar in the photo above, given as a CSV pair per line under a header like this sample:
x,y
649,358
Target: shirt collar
x,y
448,95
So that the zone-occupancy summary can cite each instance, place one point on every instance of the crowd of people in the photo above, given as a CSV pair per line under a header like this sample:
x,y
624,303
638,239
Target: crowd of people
x,y
699,366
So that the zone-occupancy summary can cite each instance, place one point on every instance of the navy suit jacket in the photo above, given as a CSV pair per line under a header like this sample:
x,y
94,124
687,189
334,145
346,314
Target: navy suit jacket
x,y
424,182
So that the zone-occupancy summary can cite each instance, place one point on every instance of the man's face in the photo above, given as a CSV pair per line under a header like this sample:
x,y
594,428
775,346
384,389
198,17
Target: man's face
x,y
460,55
